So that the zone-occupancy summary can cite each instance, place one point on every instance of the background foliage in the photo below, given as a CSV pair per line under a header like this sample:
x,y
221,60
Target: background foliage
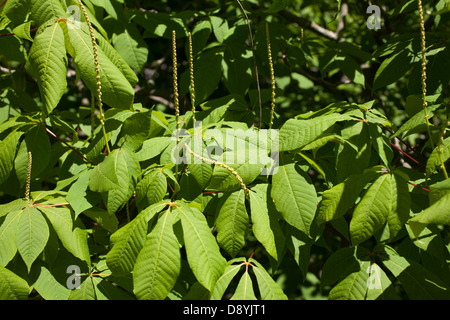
x,y
359,206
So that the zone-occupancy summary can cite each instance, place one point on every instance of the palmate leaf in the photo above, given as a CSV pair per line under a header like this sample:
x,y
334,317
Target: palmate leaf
x,y
47,62
202,250
127,242
294,196
159,262
32,234
232,223
387,201
117,92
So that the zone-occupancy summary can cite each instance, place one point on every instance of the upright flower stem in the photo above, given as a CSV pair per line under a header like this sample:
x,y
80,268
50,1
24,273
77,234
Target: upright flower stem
x,y
28,183
97,71
191,73
424,71
424,88
175,90
272,76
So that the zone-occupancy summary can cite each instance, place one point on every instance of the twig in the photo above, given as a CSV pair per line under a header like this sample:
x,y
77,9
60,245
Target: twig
x,y
69,146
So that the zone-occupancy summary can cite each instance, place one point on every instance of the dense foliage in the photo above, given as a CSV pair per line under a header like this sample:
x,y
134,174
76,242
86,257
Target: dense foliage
x,y
118,118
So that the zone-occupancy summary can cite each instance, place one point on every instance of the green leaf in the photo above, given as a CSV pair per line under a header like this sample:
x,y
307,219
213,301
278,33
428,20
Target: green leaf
x,y
151,189
207,74
438,213
8,229
246,153
47,62
38,143
128,241
135,130
116,175
342,263
350,160
16,11
418,282
202,251
86,291
296,133
224,280
294,196
8,147
394,67
387,201
232,223
265,226
159,24
32,235
42,11
117,92
153,147
79,197
379,286
103,218
237,68
338,200
268,288
220,27
353,287
244,289
437,190
12,287
440,153
49,288
130,45
74,240
278,5
415,123
159,262
116,59
381,144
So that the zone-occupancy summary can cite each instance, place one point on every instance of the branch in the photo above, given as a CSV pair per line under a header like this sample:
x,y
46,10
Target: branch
x,y
69,146
310,25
